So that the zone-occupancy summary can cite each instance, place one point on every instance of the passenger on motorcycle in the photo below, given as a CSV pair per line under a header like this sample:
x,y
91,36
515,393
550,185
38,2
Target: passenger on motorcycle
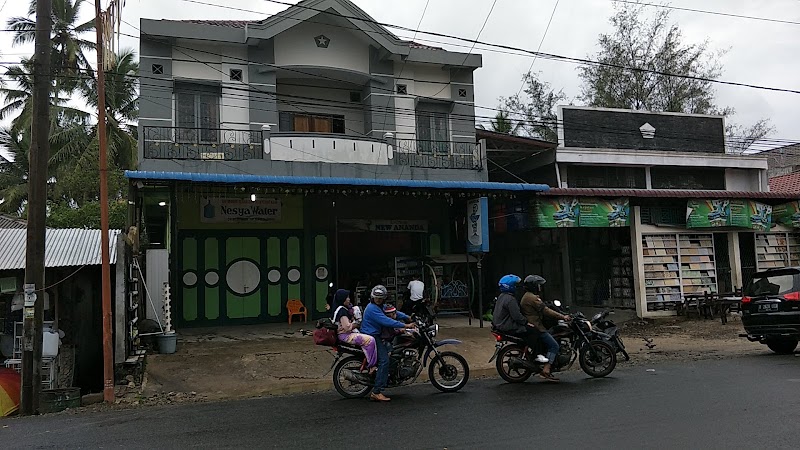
x,y
374,322
348,329
507,317
535,311
388,334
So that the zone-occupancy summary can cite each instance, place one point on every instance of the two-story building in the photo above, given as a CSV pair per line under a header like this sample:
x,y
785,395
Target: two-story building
x,y
280,157
646,208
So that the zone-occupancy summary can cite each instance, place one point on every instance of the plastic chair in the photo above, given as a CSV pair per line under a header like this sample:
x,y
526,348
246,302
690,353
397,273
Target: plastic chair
x,y
296,308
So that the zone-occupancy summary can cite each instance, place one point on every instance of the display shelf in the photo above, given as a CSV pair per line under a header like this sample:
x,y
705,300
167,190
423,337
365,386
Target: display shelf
x,y
698,264
772,250
662,274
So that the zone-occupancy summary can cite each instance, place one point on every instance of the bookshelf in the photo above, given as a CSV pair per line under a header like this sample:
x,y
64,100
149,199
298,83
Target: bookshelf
x,y
698,268
676,265
622,278
776,250
661,270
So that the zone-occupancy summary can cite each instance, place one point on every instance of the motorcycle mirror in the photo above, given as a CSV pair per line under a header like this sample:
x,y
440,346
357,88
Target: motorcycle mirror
x,y
557,303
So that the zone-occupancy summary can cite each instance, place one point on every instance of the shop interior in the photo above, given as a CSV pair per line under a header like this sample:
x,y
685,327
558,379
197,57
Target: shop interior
x,y
601,266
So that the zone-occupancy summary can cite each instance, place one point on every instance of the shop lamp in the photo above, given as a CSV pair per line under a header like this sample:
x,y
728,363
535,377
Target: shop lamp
x,y
162,204
252,197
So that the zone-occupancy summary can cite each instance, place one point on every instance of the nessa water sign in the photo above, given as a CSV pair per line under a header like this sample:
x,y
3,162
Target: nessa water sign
x,y
216,210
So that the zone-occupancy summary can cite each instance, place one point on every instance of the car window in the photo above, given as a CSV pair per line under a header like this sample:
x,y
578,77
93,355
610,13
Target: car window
x,y
770,285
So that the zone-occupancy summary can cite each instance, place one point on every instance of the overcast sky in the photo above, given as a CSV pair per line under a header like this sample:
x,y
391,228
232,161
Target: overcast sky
x,y
762,53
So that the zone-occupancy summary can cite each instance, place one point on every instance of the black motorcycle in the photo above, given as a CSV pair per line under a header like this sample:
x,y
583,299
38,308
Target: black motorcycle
x,y
448,371
577,339
600,323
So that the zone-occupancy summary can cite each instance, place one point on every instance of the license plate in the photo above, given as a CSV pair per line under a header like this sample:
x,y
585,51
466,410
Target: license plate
x,y
768,307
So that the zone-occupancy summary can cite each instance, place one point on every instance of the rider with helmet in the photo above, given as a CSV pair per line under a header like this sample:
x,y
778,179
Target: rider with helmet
x,y
373,322
535,311
507,317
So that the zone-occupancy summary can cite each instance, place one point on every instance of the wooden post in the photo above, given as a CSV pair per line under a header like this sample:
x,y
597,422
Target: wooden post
x,y
108,363
37,204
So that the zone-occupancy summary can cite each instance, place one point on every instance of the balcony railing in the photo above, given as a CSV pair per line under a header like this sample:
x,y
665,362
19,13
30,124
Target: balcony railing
x,y
438,154
201,143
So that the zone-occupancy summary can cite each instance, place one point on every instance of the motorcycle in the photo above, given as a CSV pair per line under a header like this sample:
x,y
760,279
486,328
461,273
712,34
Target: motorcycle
x,y
600,324
577,339
608,327
448,371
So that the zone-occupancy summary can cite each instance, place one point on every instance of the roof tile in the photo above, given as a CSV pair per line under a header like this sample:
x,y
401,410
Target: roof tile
x,y
789,183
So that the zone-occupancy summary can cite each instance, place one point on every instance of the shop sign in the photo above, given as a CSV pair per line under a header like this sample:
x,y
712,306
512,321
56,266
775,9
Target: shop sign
x,y
478,225
787,214
585,212
728,213
221,210
383,226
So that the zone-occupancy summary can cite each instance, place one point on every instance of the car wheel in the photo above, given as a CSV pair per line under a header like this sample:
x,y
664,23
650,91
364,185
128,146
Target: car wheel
x,y
783,347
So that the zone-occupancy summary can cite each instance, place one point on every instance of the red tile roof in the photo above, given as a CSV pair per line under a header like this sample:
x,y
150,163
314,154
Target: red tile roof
x,y
789,183
666,193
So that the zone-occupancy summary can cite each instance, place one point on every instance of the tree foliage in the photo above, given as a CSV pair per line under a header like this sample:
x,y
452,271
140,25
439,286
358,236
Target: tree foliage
x,y
536,109
646,65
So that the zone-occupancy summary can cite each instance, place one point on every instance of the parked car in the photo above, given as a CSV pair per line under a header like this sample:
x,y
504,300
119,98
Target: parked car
x,y
771,309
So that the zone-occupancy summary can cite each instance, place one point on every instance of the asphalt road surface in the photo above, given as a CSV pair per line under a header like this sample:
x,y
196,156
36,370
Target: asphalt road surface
x,y
749,402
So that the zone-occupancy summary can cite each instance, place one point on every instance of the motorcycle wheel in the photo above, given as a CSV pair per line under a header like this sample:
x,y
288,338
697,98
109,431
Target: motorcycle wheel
x,y
602,367
345,387
449,372
503,365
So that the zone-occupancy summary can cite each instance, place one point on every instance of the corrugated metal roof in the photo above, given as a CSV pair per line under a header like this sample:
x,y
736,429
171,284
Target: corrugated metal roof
x,y
222,23
7,222
667,193
333,181
62,248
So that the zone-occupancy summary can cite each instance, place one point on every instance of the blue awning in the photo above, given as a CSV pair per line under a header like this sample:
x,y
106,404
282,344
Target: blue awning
x,y
323,181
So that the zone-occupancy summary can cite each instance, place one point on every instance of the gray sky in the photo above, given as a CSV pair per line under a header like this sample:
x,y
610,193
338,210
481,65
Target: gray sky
x,y
762,53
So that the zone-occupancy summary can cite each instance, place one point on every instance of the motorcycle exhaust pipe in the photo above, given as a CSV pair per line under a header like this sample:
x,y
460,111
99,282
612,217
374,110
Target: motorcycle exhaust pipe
x,y
354,377
517,363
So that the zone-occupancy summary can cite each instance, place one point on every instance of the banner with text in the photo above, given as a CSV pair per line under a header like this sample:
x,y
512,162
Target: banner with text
x,y
232,210
728,213
384,226
787,214
587,212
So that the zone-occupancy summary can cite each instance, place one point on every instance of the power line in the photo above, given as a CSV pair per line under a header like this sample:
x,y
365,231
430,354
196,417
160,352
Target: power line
x,y
480,32
538,49
702,11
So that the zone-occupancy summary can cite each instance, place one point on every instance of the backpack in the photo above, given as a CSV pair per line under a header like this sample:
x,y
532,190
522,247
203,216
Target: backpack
x,y
325,334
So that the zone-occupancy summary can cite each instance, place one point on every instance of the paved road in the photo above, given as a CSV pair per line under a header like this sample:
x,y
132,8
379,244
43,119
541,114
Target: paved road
x,y
749,402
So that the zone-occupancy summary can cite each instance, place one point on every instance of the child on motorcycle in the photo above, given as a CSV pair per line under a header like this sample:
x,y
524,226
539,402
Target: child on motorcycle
x,y
348,329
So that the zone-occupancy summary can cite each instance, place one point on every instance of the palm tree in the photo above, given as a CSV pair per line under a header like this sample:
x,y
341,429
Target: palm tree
x,y
502,123
14,169
19,99
122,108
68,59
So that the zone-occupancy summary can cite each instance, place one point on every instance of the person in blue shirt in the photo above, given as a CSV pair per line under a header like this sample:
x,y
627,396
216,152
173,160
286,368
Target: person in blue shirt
x,y
373,323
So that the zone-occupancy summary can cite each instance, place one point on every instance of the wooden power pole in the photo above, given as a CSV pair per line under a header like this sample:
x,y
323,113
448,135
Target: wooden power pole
x,y
108,357
38,156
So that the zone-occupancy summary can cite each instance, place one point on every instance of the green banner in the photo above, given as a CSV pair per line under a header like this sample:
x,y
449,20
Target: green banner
x,y
787,214
570,212
728,213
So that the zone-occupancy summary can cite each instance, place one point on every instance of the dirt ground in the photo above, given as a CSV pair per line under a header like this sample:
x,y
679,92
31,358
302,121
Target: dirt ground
x,y
246,363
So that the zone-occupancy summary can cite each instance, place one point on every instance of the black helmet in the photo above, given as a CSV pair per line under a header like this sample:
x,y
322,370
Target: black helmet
x,y
533,283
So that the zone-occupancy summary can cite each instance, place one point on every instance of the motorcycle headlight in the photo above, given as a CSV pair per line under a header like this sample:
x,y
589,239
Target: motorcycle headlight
x,y
434,330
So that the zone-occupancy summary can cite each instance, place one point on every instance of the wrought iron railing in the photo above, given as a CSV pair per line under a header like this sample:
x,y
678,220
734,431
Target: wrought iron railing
x,y
201,143
438,154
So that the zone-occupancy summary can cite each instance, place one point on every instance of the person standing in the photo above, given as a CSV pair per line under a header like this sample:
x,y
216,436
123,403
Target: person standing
x,y
416,292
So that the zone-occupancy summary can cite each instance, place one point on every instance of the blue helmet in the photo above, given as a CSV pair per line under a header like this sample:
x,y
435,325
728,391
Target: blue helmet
x,y
509,283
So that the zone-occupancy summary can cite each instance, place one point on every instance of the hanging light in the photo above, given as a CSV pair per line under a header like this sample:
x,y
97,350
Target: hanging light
x,y
252,197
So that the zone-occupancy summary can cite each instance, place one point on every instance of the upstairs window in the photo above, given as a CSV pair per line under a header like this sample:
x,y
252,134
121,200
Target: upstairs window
x,y
311,123
432,133
197,113
702,178
606,177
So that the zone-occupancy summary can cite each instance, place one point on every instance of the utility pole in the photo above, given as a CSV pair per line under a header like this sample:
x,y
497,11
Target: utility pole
x,y
38,156
108,357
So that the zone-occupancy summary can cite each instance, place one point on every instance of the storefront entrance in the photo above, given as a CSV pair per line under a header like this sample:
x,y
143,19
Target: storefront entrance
x,y
230,278
601,267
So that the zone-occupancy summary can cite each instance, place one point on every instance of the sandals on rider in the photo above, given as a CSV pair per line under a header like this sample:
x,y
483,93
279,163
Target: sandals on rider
x,y
548,377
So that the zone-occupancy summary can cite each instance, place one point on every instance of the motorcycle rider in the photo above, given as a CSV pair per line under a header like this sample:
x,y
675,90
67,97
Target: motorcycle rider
x,y
507,317
372,324
535,311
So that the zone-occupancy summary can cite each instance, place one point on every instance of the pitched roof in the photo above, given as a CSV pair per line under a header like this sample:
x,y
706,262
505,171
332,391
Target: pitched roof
x,y
63,248
789,183
222,23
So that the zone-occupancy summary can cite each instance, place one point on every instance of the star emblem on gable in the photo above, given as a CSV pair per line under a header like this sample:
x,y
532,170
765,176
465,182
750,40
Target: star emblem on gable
x,y
322,41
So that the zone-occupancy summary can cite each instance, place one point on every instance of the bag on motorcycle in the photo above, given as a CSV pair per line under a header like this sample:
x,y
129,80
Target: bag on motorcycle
x,y
327,323
325,336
